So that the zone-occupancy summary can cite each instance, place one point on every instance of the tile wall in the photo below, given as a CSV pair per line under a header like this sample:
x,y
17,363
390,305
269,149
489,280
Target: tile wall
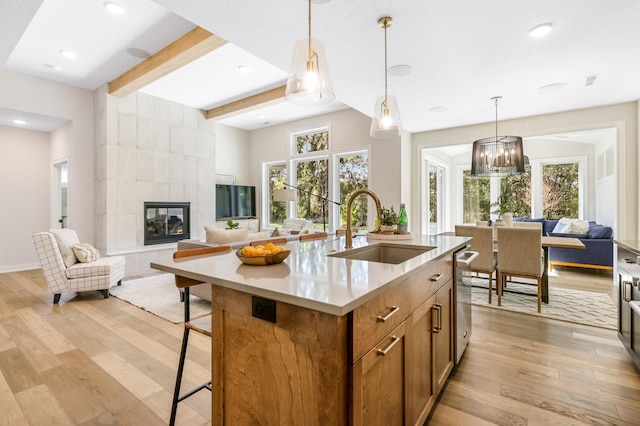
x,y
148,149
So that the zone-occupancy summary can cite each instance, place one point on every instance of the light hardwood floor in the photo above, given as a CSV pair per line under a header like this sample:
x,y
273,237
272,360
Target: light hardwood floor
x,y
91,361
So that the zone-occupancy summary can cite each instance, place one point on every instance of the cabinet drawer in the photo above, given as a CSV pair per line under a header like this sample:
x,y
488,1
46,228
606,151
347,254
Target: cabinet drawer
x,y
376,318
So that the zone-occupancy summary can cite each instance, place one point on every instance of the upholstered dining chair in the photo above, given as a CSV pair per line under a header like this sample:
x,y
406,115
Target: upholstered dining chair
x,y
520,255
200,325
482,243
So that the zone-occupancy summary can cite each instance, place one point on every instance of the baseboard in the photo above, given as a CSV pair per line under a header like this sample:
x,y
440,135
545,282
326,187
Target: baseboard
x,y
16,268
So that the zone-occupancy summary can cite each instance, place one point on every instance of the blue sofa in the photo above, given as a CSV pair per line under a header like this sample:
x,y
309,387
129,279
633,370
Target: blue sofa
x,y
598,243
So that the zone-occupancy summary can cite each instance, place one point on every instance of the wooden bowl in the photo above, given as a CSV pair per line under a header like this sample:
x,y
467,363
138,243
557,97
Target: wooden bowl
x,y
267,259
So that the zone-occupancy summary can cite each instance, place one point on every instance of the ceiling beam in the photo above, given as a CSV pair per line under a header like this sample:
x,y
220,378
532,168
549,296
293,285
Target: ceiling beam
x,y
196,43
261,100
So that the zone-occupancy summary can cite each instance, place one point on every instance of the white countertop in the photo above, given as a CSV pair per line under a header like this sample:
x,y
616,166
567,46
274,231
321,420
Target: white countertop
x,y
308,277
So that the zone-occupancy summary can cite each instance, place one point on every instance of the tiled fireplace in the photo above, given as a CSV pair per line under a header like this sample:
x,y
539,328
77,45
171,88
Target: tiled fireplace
x,y
166,222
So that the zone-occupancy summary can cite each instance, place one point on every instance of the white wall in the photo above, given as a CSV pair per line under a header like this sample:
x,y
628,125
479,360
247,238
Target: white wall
x,y
74,141
24,188
622,117
232,153
349,129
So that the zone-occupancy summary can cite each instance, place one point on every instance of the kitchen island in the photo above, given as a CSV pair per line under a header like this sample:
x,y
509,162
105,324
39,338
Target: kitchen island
x,y
327,340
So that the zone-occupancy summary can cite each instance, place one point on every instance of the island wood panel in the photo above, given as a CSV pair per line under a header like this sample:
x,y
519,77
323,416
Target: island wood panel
x,y
290,372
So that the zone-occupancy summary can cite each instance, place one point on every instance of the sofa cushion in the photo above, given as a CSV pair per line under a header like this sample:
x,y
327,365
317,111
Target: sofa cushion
x,y
259,235
103,266
600,231
569,235
86,253
66,239
225,236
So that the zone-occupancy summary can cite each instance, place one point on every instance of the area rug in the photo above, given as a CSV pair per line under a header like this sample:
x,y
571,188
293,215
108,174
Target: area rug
x,y
159,295
581,307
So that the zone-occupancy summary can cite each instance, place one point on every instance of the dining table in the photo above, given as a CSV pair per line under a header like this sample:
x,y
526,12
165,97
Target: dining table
x,y
559,242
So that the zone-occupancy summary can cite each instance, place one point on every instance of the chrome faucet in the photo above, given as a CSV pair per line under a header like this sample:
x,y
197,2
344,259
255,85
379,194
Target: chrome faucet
x,y
348,236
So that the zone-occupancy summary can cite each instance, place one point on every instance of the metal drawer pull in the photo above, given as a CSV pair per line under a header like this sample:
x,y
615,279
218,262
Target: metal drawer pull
x,y
435,277
624,290
437,308
381,318
383,351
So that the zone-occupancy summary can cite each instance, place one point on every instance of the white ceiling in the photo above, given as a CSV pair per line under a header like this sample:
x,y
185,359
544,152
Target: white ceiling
x,y
462,52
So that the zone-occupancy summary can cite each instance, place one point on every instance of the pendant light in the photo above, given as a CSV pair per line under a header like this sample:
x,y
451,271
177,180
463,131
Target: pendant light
x,y
386,115
499,155
309,81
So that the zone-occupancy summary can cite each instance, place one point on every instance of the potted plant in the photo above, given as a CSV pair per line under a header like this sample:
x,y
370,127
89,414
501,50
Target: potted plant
x,y
388,220
232,225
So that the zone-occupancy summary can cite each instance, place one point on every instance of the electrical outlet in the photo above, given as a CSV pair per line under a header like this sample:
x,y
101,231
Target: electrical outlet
x,y
263,308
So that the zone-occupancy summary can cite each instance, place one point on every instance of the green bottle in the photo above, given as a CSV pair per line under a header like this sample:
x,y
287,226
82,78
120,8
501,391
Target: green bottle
x,y
403,220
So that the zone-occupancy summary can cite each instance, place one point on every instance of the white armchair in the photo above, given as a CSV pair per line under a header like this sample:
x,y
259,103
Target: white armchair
x,y
101,274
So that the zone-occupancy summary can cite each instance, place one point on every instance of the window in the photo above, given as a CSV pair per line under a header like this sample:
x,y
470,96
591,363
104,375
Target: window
x,y
353,174
476,198
277,177
312,183
311,141
560,190
318,173
513,194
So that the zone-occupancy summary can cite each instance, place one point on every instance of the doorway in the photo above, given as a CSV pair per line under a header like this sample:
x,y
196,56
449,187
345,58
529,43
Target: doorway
x,y
60,195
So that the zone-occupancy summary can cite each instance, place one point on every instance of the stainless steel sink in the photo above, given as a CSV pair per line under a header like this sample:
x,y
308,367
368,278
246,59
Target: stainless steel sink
x,y
384,253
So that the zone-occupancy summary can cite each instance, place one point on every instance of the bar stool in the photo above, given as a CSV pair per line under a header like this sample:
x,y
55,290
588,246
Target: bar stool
x,y
200,325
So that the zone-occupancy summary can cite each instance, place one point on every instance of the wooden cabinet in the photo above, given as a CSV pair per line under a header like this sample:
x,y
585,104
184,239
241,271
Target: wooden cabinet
x,y
379,382
443,335
398,380
421,395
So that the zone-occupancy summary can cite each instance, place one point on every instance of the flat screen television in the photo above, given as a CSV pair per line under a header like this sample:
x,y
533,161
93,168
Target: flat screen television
x,y
235,202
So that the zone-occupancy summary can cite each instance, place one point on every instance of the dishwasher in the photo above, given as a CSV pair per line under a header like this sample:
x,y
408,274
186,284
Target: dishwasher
x,y
462,299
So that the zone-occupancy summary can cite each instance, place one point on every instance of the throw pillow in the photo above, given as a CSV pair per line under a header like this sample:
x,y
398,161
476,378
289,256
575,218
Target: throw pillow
x,y
599,231
66,239
280,233
86,253
562,226
225,236
578,226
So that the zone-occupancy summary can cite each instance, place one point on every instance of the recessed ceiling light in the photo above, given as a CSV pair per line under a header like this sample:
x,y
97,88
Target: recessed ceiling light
x,y
20,122
138,53
244,69
541,30
114,8
261,117
69,54
591,79
439,108
400,70
551,88
53,67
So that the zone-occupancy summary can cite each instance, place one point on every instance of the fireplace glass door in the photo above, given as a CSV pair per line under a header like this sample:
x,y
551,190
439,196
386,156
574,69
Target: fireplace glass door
x,y
165,222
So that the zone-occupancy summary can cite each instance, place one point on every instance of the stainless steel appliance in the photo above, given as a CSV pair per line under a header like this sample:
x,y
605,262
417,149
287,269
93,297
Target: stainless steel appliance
x,y
462,299
628,292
